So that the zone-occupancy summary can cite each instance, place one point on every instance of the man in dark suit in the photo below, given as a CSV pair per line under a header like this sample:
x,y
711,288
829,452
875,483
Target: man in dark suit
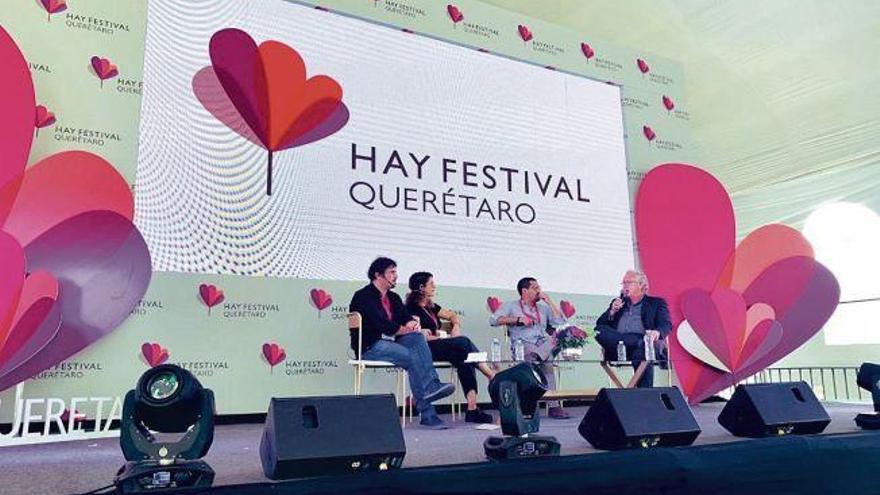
x,y
631,318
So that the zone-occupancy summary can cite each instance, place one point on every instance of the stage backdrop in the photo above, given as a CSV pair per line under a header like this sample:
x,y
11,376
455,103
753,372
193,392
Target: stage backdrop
x,y
458,138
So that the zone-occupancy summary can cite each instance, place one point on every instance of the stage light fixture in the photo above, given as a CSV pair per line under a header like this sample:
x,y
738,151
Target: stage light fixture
x,y
869,379
515,393
167,400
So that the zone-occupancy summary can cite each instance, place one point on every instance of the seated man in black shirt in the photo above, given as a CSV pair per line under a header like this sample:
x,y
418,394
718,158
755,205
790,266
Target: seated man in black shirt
x,y
384,315
634,318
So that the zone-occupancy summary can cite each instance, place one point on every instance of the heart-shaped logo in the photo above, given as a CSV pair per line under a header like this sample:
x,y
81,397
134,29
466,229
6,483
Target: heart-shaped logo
x,y
154,354
587,50
321,299
643,66
103,69
524,33
648,132
273,354
53,7
567,308
262,93
211,296
493,303
454,14
736,309
668,103
43,118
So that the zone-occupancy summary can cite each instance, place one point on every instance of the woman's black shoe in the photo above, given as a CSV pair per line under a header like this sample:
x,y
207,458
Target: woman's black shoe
x,y
477,416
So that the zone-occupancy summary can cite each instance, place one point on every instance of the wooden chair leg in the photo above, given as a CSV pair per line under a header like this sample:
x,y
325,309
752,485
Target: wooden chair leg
x,y
638,374
612,375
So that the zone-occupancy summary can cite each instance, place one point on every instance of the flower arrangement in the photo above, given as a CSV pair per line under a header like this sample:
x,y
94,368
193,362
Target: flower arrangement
x,y
569,342
571,337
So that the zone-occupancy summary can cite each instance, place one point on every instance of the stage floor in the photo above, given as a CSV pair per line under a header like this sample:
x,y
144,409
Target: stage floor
x,y
73,467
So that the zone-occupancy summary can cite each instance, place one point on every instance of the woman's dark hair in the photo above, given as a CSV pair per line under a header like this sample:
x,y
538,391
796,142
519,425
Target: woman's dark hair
x,y
416,281
379,265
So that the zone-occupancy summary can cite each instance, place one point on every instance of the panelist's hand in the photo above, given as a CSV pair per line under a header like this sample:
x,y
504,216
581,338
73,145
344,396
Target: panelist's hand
x,y
616,304
527,320
653,334
544,297
412,326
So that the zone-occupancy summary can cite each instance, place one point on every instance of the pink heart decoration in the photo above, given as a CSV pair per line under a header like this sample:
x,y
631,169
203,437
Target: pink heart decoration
x,y
668,103
750,305
643,66
649,133
211,295
567,308
53,7
104,69
494,303
454,14
273,353
43,117
154,354
587,50
321,299
524,33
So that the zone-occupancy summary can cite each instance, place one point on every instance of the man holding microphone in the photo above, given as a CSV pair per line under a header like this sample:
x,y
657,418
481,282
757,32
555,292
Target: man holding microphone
x,y
528,319
384,316
633,318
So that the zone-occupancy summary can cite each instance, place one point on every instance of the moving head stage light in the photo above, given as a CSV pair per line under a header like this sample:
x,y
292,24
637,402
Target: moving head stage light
x,y
869,379
169,400
515,392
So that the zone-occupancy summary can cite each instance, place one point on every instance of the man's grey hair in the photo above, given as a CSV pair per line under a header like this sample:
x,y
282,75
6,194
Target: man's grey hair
x,y
641,278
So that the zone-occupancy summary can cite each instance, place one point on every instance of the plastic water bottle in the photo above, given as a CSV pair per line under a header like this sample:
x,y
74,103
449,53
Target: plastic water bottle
x,y
649,349
621,351
496,351
519,350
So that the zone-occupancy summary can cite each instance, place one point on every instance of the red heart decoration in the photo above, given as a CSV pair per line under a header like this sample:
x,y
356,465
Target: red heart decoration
x,y
648,132
668,103
454,13
44,117
750,305
211,295
643,66
154,354
104,69
567,308
524,33
321,299
54,6
494,303
273,353
587,50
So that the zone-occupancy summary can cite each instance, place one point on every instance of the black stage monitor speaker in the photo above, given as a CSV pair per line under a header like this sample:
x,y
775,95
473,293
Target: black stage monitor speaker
x,y
770,409
625,418
314,436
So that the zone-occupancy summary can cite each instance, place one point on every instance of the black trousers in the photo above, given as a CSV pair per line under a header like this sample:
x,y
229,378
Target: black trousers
x,y
608,338
455,350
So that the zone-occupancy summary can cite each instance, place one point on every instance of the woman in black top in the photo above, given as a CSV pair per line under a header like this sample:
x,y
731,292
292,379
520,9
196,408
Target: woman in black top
x,y
455,348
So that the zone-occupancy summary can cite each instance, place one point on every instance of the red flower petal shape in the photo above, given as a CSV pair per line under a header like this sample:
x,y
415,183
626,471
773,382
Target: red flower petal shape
x,y
686,231
17,103
63,186
12,270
